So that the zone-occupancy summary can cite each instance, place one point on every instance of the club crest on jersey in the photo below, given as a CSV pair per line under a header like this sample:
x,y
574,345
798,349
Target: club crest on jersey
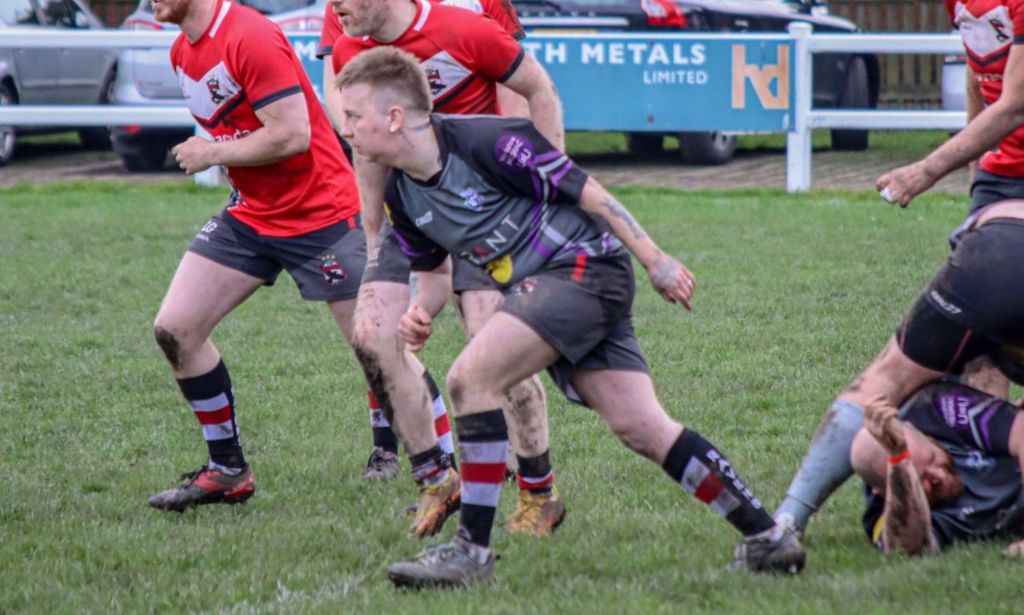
x,y
434,80
470,199
332,270
999,26
213,85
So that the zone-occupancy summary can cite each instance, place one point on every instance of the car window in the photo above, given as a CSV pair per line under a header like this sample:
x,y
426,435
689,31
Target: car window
x,y
272,7
18,13
63,14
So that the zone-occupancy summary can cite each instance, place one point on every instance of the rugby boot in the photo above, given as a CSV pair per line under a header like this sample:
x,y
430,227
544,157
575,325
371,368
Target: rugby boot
x,y
206,486
453,564
537,514
382,465
762,554
437,502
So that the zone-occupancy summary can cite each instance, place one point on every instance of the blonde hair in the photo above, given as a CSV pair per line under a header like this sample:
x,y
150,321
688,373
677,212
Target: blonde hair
x,y
392,71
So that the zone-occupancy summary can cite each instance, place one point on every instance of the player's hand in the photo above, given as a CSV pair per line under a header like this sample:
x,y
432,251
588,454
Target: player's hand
x,y
415,327
881,422
193,155
901,185
1016,549
672,280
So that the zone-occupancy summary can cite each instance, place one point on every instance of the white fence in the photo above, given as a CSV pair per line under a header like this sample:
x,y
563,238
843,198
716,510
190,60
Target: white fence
x,y
798,143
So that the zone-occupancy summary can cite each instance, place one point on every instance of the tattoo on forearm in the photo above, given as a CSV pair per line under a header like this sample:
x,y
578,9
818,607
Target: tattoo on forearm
x,y
907,514
615,209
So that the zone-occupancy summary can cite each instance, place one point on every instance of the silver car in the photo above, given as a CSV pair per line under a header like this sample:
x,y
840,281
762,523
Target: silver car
x,y
55,75
145,77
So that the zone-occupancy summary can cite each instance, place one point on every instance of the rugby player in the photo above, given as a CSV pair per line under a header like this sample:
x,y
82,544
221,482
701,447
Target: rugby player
x,y
465,57
948,470
993,33
496,193
295,206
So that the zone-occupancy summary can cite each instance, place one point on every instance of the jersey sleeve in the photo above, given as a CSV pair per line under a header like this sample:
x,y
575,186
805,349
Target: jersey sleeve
x,y
423,253
503,13
328,34
265,64
513,154
1016,10
482,45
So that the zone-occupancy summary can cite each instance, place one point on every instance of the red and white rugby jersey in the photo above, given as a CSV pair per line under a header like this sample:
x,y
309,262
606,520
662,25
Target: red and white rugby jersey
x,y
500,11
463,54
989,28
242,63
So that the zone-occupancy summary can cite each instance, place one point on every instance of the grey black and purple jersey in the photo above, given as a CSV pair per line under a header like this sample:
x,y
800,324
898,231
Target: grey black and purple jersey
x,y
974,428
504,200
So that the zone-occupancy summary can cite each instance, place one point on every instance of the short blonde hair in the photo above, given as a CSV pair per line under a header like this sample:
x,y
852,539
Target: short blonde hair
x,y
389,69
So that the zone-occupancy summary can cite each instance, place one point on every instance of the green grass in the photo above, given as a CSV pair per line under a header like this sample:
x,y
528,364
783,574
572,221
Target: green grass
x,y
796,294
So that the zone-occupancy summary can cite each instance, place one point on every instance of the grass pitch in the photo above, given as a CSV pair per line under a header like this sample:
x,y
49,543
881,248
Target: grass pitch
x,y
795,295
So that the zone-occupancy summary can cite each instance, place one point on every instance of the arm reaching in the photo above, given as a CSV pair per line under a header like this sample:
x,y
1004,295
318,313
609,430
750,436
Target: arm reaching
x,y
670,278
907,514
990,127
532,82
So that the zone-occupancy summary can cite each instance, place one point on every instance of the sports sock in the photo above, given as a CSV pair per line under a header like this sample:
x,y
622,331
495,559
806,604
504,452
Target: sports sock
x,y
483,447
442,427
383,436
705,473
429,467
826,465
213,403
535,474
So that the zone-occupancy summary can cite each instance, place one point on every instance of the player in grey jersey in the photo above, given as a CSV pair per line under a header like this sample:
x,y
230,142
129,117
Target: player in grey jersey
x,y
494,192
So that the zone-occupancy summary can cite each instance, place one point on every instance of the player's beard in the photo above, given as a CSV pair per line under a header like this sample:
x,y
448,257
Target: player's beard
x,y
371,18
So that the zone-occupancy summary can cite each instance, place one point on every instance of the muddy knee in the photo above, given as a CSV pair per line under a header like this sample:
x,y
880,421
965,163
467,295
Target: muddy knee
x,y
169,344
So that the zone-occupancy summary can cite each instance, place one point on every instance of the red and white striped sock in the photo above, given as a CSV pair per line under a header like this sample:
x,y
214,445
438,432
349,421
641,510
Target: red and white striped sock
x,y
483,448
213,404
442,426
704,472
383,436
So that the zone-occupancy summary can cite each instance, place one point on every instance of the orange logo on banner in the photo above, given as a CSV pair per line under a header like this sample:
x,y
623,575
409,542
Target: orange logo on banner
x,y
761,78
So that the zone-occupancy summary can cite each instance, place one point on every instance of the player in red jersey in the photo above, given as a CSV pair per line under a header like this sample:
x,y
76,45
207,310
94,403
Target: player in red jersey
x,y
465,56
946,327
295,206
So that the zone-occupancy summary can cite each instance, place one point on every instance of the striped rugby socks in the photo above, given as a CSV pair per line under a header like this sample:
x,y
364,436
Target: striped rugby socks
x,y
483,447
704,472
442,427
535,474
213,404
383,436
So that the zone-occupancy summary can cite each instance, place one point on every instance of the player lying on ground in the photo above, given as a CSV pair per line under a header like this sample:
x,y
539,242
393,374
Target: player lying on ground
x,y
947,470
467,56
495,192
993,32
295,207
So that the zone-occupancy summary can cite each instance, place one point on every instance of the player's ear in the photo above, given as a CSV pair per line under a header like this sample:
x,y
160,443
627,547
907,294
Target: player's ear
x,y
396,118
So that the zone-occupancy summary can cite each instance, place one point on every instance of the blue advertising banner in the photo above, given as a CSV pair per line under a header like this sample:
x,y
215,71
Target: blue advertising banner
x,y
670,82
305,44
666,83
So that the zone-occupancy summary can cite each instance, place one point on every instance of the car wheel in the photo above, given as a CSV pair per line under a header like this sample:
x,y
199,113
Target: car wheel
x,y
6,132
644,143
706,147
145,160
98,137
855,94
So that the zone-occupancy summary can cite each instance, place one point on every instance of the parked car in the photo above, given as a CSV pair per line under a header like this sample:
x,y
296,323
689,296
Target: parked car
x,y
54,75
840,80
145,77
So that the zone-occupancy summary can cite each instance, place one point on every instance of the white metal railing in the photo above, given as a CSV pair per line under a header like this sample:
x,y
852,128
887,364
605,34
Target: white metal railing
x,y
798,142
806,118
